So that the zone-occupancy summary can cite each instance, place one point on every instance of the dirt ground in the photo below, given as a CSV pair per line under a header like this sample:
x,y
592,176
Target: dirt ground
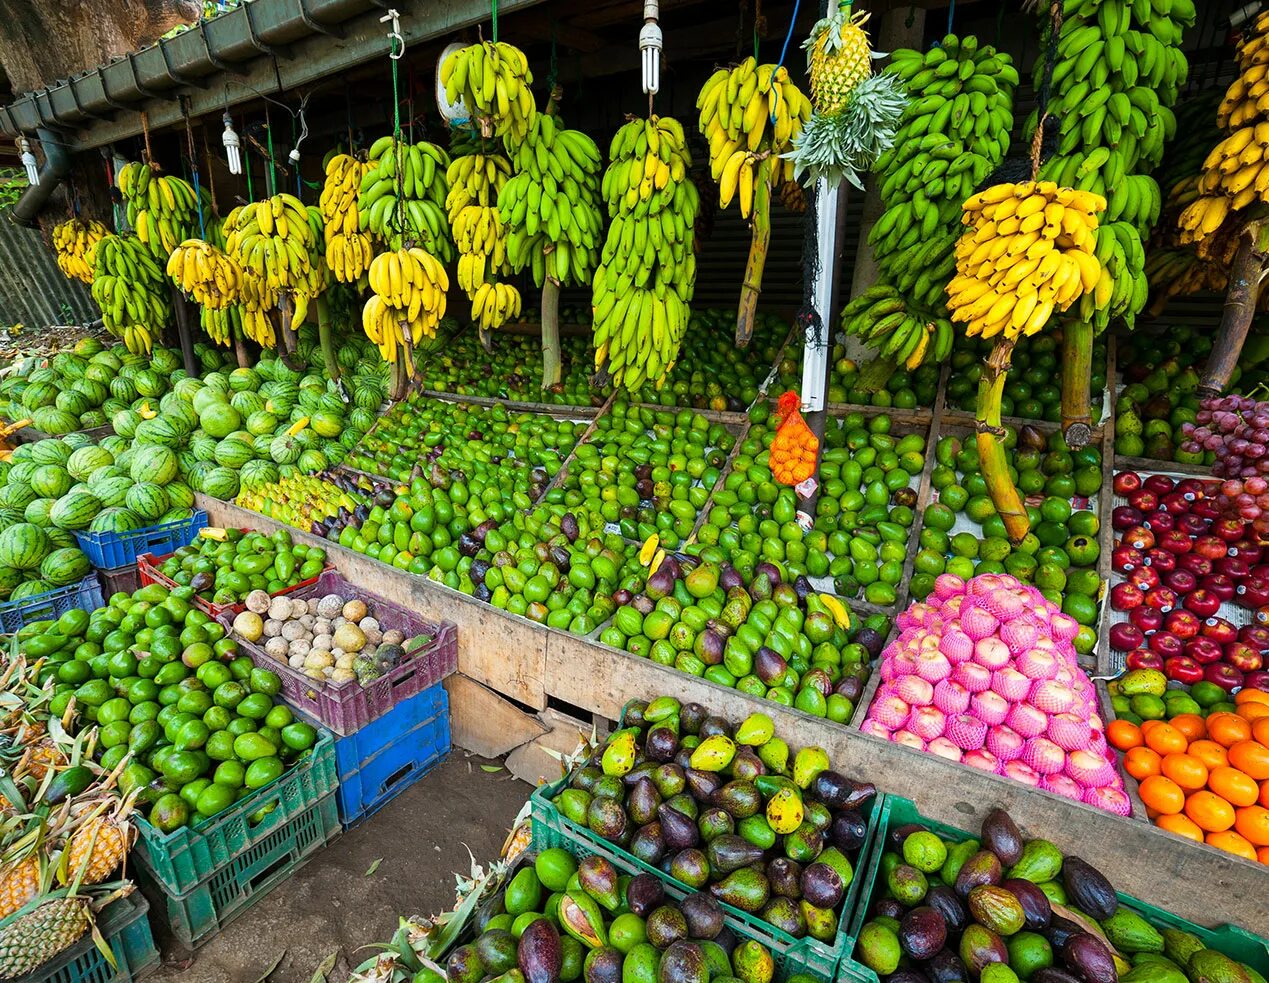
x,y
420,839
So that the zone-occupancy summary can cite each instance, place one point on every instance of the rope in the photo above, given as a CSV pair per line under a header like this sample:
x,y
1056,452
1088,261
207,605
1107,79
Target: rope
x,y
211,172
951,13
246,164
1046,83
494,16
145,132
273,171
793,23
396,136
193,166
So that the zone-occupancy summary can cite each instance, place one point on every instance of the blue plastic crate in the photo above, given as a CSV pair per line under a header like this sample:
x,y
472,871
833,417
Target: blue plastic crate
x,y
126,929
107,550
51,605
385,757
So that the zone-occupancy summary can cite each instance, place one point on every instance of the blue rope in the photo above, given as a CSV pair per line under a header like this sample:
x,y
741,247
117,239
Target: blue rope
x,y
951,12
198,198
783,50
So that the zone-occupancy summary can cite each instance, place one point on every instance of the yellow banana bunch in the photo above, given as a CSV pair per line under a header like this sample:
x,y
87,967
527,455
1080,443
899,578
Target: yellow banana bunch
x,y
259,300
475,179
74,241
273,238
493,81
647,273
130,289
211,277
409,301
402,196
494,304
162,210
348,249
1030,250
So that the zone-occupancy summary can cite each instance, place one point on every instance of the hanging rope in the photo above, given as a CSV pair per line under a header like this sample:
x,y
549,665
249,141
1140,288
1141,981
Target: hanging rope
x,y
493,11
246,163
273,171
951,15
1046,84
211,174
145,132
193,166
394,55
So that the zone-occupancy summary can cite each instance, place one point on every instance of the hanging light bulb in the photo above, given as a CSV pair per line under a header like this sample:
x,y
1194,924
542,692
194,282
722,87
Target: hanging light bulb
x,y
29,162
650,48
233,146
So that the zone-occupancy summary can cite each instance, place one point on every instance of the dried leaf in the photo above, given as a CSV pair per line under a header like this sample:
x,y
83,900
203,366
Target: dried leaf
x,y
492,769
276,963
327,964
374,866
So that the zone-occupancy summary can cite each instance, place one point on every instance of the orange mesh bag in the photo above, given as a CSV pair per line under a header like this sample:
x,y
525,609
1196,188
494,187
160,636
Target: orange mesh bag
x,y
795,447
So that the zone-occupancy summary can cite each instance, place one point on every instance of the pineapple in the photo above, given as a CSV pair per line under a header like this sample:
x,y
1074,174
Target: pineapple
x,y
98,848
42,933
840,58
19,883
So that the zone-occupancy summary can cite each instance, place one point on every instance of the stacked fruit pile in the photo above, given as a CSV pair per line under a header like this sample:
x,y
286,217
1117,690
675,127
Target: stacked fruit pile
x,y
1184,574
161,683
401,201
762,635
1161,374
1236,430
646,471
313,503
984,673
458,364
224,566
1205,778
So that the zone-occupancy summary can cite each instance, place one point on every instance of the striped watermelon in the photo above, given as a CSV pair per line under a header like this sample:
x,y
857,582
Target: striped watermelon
x,y
206,399
22,469
361,419
93,418
148,500
85,461
165,360
59,538
186,389
175,515
112,491
312,460
152,463
96,372
182,417
262,444
234,453
68,364
104,474
243,380
39,394
23,546
37,512
125,423
10,579
158,431
115,444
185,460
109,359
220,420
31,588
50,481
350,438
51,452
122,388
220,483
65,566
94,391
326,424
261,422
247,403
114,520
73,402
75,510
9,517
285,450
52,420
180,494
203,447
149,383
256,474
16,496
198,474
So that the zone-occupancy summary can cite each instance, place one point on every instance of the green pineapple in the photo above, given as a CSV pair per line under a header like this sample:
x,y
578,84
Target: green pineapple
x,y
39,935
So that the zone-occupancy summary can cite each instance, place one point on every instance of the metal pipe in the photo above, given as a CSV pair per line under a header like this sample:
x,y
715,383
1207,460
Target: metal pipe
x,y
57,164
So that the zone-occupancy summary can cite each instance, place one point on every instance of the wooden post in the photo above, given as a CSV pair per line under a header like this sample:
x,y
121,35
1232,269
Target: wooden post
x,y
550,333
1245,278
1077,370
184,332
324,336
240,352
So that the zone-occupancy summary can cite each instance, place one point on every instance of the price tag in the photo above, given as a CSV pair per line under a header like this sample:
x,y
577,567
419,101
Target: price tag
x,y
806,488
805,521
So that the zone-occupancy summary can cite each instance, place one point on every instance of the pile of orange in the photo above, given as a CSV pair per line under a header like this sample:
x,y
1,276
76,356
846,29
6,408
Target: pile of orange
x,y
793,453
1205,778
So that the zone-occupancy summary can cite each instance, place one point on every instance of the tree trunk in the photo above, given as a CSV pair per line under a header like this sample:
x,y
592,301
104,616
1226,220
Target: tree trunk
x,y
1245,278
45,40
550,333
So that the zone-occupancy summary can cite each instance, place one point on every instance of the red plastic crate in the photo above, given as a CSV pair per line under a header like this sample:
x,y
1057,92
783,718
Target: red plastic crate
x,y
148,565
345,708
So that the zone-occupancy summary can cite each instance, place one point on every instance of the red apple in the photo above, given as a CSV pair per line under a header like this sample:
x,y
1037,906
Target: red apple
x,y
1166,644
1212,547
1196,563
1146,618
1191,488
1176,542
1144,659
1202,602
1260,570
1220,585
1191,524
1257,680
1161,559
1206,509
1160,484
1235,567
1126,558
1253,592
1126,482
1142,538
1182,669
1125,597
1243,657
1176,503
1183,624
1230,530
1147,578
1125,637
1249,551
1125,517
1255,636
1144,499
1163,598
1204,650
1181,580
1224,676
1159,521
1219,630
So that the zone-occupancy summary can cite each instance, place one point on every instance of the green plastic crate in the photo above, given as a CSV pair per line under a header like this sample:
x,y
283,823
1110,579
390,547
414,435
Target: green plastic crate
x,y
197,916
126,929
181,860
896,811
806,955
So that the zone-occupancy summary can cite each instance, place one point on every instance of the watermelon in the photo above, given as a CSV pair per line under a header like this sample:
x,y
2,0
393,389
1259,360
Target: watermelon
x,y
158,431
367,398
10,579
285,450
361,419
96,372
247,403
75,510
88,347
203,447
148,500
175,515
185,460
312,460
104,474
65,566
112,491
234,453
23,546
9,517
93,419
220,483
326,424
22,469
125,422
350,438
256,474
112,520
115,444
37,512
165,360
72,401
153,463
83,462
50,481
262,444
16,496
59,538
149,383
197,474
217,382
182,418
186,389
52,420
181,495
121,388
220,420
336,454
39,394
31,588
51,452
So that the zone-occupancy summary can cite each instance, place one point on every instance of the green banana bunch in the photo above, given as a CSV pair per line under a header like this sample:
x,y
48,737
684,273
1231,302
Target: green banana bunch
x,y
162,210
647,271
131,290
221,325
493,81
417,173
954,132
551,206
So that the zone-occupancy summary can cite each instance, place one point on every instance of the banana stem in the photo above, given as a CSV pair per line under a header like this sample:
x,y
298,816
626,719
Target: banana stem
x,y
486,340
324,337
752,286
991,448
240,351
399,379
1246,276
550,333
1077,371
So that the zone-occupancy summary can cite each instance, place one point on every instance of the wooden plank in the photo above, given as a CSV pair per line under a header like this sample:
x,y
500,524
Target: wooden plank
x,y
485,723
1123,463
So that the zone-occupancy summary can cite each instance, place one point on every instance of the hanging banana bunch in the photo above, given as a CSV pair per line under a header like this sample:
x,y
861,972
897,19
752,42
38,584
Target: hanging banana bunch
x,y
348,249
475,179
402,197
207,274
131,291
550,208
318,278
161,209
259,301
854,112
409,301
273,239
953,133
493,81
751,115
647,272
223,324
74,241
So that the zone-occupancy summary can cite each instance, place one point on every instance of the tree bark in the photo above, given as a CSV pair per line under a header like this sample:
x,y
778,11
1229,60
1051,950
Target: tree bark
x,y
45,40
1245,279
550,333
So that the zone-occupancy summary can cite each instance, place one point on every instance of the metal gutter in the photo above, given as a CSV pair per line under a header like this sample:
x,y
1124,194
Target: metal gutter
x,y
229,60
57,164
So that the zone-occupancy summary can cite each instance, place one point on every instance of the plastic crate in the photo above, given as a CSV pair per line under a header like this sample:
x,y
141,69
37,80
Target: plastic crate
x,y
180,860
50,605
148,565
896,811
386,757
194,917
126,579
793,955
345,708
126,929
109,550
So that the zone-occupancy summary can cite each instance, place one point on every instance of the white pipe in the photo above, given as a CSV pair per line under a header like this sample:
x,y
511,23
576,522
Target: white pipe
x,y
815,351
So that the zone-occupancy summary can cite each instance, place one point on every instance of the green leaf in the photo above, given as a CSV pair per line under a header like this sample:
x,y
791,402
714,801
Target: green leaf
x,y
491,768
327,964
374,866
276,963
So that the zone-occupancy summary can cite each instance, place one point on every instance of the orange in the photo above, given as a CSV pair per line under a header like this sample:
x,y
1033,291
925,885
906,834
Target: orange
x,y
1233,786
1189,724
1209,752
1209,811
1231,842
1260,731
1141,762
1227,728
1166,739
1147,725
1181,826
1186,770
1251,712
1123,734
1263,855
1165,796
1264,794
1252,823
1251,696
1251,757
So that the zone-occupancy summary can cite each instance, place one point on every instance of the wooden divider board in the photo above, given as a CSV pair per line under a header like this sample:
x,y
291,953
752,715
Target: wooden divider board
x,y
528,662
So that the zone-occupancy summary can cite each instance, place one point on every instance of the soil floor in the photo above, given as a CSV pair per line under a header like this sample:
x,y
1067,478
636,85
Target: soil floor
x,y
419,841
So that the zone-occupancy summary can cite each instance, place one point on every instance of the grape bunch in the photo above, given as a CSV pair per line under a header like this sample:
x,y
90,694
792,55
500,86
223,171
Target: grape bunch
x,y
1236,429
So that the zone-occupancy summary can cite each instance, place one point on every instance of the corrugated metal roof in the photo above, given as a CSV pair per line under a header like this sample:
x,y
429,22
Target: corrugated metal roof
x,y
33,291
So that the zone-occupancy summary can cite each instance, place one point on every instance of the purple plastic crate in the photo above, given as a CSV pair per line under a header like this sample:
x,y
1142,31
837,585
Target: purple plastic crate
x,y
347,707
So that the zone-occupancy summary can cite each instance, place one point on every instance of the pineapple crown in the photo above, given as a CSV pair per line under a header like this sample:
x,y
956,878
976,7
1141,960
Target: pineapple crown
x,y
828,30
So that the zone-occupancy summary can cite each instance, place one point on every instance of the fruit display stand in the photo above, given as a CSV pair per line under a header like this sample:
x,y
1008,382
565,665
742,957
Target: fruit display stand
x,y
125,927
85,595
110,550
